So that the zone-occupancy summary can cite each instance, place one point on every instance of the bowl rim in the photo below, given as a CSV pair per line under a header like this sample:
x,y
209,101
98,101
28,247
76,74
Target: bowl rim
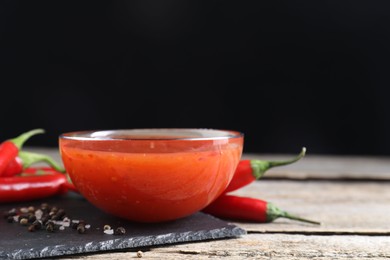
x,y
104,135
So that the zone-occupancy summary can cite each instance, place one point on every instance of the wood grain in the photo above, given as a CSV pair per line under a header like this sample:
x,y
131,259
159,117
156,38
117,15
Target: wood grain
x,y
329,167
342,206
267,246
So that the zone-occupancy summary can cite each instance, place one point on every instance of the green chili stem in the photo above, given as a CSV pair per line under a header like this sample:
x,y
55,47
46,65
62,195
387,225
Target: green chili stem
x,y
290,216
259,167
21,139
279,163
29,158
273,212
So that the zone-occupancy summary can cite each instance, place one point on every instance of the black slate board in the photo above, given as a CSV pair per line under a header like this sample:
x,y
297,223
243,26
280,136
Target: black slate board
x,y
17,243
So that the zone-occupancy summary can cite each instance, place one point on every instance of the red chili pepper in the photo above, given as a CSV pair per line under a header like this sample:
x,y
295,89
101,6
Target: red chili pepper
x,y
9,149
25,159
248,171
13,168
248,209
34,186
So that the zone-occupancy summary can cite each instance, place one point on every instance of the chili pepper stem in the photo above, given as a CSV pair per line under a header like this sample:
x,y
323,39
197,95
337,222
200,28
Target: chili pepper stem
x,y
29,158
293,217
274,212
21,139
260,167
280,163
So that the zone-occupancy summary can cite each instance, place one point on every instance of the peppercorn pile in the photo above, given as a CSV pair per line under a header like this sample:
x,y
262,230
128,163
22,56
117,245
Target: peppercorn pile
x,y
52,218
20,180
49,218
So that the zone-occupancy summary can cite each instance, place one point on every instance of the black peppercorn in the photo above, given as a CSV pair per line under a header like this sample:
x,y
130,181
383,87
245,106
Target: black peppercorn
x,y
120,231
45,218
50,226
81,228
31,218
58,215
35,226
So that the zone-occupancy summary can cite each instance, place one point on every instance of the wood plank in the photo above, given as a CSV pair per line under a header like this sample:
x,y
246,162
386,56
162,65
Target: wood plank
x,y
268,246
342,207
329,167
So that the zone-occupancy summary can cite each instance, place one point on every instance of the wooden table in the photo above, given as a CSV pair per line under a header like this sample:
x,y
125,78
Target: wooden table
x,y
349,195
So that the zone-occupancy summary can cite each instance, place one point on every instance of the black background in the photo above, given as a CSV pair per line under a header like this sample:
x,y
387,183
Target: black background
x,y
286,73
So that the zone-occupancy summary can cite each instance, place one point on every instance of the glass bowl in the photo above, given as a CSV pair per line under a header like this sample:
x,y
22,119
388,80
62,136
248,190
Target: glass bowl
x,y
151,175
